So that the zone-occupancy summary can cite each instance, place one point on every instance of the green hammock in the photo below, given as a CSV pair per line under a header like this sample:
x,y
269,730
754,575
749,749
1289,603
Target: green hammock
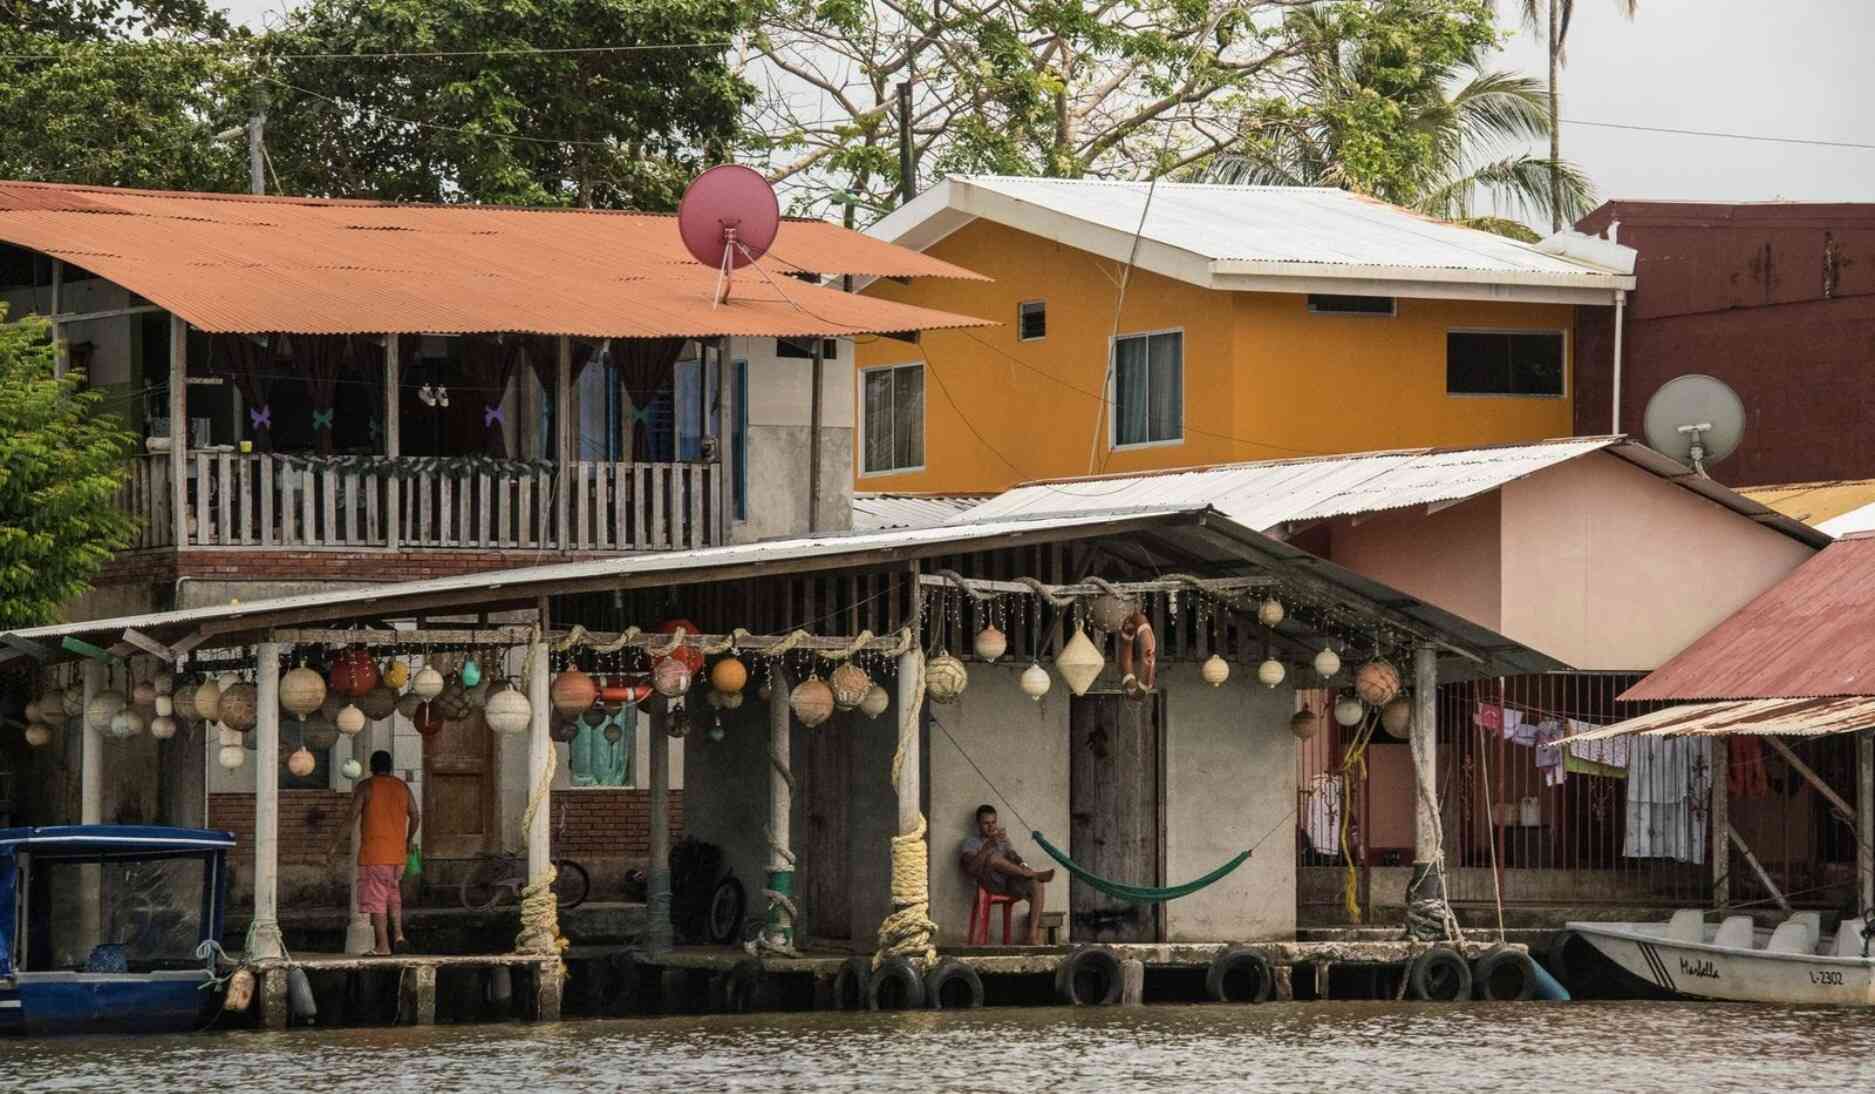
x,y
1137,894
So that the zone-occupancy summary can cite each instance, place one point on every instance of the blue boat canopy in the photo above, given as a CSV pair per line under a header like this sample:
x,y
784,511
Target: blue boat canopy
x,y
113,838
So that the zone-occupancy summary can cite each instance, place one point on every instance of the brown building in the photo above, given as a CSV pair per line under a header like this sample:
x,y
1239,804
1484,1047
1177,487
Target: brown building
x,y
1776,299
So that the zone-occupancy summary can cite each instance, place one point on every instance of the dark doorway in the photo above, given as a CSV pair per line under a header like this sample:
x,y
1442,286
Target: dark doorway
x,y
823,764
1115,813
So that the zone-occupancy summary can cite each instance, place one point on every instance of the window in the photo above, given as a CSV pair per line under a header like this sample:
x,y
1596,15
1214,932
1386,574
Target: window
x,y
1332,304
1032,320
739,441
1479,362
1149,388
803,348
893,412
149,912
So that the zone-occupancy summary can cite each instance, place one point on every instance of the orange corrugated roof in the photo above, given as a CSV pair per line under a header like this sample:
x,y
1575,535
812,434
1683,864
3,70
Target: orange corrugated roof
x,y
235,263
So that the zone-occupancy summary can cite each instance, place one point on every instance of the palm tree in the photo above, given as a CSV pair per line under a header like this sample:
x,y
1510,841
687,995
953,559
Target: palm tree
x,y
1560,13
1435,143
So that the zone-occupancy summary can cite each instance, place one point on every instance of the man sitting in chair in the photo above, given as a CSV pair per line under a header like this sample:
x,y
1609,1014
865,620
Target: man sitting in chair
x,y
994,864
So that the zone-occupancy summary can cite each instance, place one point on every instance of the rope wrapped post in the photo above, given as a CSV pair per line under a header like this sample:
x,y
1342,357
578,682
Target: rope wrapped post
x,y
658,934
1428,916
908,930
264,939
782,912
540,906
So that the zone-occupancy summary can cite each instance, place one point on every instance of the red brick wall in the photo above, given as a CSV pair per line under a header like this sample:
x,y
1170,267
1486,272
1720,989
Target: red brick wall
x,y
309,821
163,565
608,823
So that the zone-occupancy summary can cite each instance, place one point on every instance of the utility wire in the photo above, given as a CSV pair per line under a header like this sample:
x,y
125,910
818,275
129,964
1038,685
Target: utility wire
x,y
1815,142
244,49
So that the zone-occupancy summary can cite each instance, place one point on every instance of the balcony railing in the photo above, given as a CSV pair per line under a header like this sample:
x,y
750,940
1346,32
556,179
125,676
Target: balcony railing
x,y
268,500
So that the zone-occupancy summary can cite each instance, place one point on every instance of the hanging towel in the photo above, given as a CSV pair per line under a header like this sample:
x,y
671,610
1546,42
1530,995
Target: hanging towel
x,y
1513,723
1489,716
1669,788
1747,777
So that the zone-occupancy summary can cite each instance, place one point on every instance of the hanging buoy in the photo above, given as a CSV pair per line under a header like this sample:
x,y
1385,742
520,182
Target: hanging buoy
x,y
379,703
232,756
945,679
143,694
165,706
812,701
102,708
1303,723
1035,681
37,735
671,677
1270,612
74,702
352,769
875,702
572,693
1271,672
508,712
849,684
1377,682
395,675
1327,662
162,727
1079,662
239,707
302,691
183,702
428,683
351,720
354,673
729,676
1214,671
407,704
1109,613
428,720
126,723
991,643
1348,711
1397,716
165,683
471,672
301,762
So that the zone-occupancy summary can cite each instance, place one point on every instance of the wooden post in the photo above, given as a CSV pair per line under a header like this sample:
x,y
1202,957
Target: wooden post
x,y
1758,868
563,440
264,936
539,756
781,926
1721,820
813,443
658,937
393,441
61,357
1865,821
179,427
1427,881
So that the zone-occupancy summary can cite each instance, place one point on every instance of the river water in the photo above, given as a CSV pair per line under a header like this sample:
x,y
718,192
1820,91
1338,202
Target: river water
x,y
1510,1048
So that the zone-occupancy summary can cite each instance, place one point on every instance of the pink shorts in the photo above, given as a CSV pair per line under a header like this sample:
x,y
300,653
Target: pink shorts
x,y
377,889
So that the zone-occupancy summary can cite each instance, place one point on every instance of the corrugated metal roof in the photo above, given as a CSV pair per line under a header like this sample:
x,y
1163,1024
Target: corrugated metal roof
x,y
883,510
1815,503
1287,224
1808,635
1783,717
247,264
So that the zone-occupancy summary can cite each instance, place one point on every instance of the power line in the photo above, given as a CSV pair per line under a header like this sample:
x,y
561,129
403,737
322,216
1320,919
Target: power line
x,y
1722,136
244,49
521,137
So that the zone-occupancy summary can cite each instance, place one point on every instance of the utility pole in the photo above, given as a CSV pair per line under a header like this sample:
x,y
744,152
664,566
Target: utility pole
x,y
1555,124
256,155
907,170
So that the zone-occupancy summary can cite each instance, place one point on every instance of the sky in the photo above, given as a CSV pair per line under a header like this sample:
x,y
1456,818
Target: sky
x,y
1765,68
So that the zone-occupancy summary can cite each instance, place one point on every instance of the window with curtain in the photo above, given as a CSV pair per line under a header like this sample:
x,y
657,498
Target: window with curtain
x,y
1149,388
894,418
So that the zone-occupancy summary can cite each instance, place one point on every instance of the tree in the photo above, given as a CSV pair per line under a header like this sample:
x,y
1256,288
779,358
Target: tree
x,y
1035,87
1392,99
61,462
516,116
1556,32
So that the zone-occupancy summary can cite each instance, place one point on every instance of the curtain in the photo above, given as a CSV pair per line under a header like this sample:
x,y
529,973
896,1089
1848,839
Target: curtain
x,y
489,365
644,367
319,359
1132,392
247,362
1669,787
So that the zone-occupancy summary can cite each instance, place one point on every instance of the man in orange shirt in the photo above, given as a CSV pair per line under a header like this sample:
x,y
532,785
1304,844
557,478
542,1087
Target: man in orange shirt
x,y
386,813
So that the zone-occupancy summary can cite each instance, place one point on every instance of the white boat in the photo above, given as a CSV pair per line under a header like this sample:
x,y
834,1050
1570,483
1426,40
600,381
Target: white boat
x,y
1736,960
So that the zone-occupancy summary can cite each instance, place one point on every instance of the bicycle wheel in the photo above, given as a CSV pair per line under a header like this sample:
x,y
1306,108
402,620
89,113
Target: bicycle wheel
x,y
570,884
726,906
485,884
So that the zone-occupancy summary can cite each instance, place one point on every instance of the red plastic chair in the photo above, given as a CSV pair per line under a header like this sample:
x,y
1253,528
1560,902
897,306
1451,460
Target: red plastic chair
x,y
980,916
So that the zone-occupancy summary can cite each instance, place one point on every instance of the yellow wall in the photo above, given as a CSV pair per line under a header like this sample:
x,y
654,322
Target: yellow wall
x,y
1264,377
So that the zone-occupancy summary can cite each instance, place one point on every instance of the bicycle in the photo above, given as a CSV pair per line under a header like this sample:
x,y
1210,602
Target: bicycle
x,y
503,872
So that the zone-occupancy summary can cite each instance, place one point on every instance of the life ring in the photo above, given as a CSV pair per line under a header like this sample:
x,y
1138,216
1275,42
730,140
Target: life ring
x,y
1145,647
953,985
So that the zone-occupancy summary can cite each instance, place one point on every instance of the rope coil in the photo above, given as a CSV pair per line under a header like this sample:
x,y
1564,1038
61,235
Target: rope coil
x,y
908,930
540,905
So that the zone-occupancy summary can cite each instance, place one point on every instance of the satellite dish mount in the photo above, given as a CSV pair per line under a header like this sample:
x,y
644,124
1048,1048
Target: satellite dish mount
x,y
1696,419
728,218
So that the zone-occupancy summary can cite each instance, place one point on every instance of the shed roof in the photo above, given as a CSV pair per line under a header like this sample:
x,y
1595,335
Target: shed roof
x,y
910,510
234,263
1280,238
1821,503
1268,494
1194,532
1807,636
1782,717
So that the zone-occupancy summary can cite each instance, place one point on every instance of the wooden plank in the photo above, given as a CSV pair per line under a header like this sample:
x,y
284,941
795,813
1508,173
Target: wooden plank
x,y
656,497
371,511
621,503
484,506
1113,805
563,432
582,508
244,503
445,510
308,506
641,506
503,485
465,520
329,501
348,507
395,529
423,508
549,528
266,500
204,533
179,431
693,488
524,511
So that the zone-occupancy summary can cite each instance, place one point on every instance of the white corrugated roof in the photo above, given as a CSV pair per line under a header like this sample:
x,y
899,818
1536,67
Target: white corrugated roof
x,y
1271,493
1254,237
1779,717
875,511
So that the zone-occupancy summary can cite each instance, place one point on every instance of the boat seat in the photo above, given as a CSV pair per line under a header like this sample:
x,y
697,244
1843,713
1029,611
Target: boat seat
x,y
1849,938
1813,922
1794,935
1737,931
1687,925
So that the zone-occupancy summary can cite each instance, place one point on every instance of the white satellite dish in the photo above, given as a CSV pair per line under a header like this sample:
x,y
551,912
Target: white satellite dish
x,y
1696,419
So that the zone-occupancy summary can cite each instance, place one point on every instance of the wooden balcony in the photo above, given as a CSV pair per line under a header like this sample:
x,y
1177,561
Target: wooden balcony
x,y
274,501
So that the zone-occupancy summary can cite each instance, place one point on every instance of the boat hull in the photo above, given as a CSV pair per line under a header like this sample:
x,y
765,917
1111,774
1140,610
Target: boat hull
x,y
48,1004
1703,971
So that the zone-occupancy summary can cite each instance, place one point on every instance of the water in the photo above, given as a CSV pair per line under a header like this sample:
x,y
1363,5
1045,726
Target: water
x,y
1428,1049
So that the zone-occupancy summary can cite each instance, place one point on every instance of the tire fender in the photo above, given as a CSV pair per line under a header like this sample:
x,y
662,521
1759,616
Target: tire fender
x,y
745,987
1492,976
1439,975
1240,975
955,977
895,985
1089,977
851,982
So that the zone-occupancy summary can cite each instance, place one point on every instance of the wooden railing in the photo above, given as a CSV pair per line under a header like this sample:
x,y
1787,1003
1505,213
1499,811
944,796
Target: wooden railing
x,y
266,500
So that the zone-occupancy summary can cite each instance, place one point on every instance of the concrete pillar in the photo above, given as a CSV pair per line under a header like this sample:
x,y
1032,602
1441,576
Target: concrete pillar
x,y
539,759
549,987
273,996
91,804
1865,820
393,439
1426,883
1132,982
264,938
781,926
905,783
179,427
658,936
422,981
563,439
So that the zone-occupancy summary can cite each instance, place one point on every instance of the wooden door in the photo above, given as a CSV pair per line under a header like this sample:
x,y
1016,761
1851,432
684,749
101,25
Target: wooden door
x,y
459,790
1115,827
823,765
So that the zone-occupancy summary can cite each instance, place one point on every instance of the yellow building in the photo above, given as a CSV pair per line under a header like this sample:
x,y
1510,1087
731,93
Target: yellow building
x,y
1255,323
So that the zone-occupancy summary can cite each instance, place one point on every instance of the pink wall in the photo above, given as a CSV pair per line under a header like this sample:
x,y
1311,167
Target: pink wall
x,y
1608,567
1450,558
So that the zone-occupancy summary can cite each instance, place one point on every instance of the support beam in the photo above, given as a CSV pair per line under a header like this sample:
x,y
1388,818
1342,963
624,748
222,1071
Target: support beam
x,y
1757,867
264,936
563,440
539,761
658,938
1844,811
179,429
1865,821
148,645
1721,820
393,440
781,925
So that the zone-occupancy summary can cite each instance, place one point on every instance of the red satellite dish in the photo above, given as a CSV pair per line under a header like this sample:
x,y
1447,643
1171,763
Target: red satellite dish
x,y
728,218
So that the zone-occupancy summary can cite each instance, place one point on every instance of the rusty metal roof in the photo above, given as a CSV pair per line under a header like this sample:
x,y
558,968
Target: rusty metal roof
x,y
244,264
1807,636
1817,503
1783,717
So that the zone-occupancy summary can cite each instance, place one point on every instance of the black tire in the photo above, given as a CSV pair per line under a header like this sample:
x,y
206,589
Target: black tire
x,y
1089,977
895,985
1439,975
1504,976
953,985
1561,964
571,884
482,889
745,988
1240,976
722,924
850,983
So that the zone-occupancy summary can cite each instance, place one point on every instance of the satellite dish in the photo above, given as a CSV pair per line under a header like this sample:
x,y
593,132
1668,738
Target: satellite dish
x,y
1696,419
728,218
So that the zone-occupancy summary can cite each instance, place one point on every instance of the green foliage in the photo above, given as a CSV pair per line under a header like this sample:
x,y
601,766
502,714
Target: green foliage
x,y
61,462
624,129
